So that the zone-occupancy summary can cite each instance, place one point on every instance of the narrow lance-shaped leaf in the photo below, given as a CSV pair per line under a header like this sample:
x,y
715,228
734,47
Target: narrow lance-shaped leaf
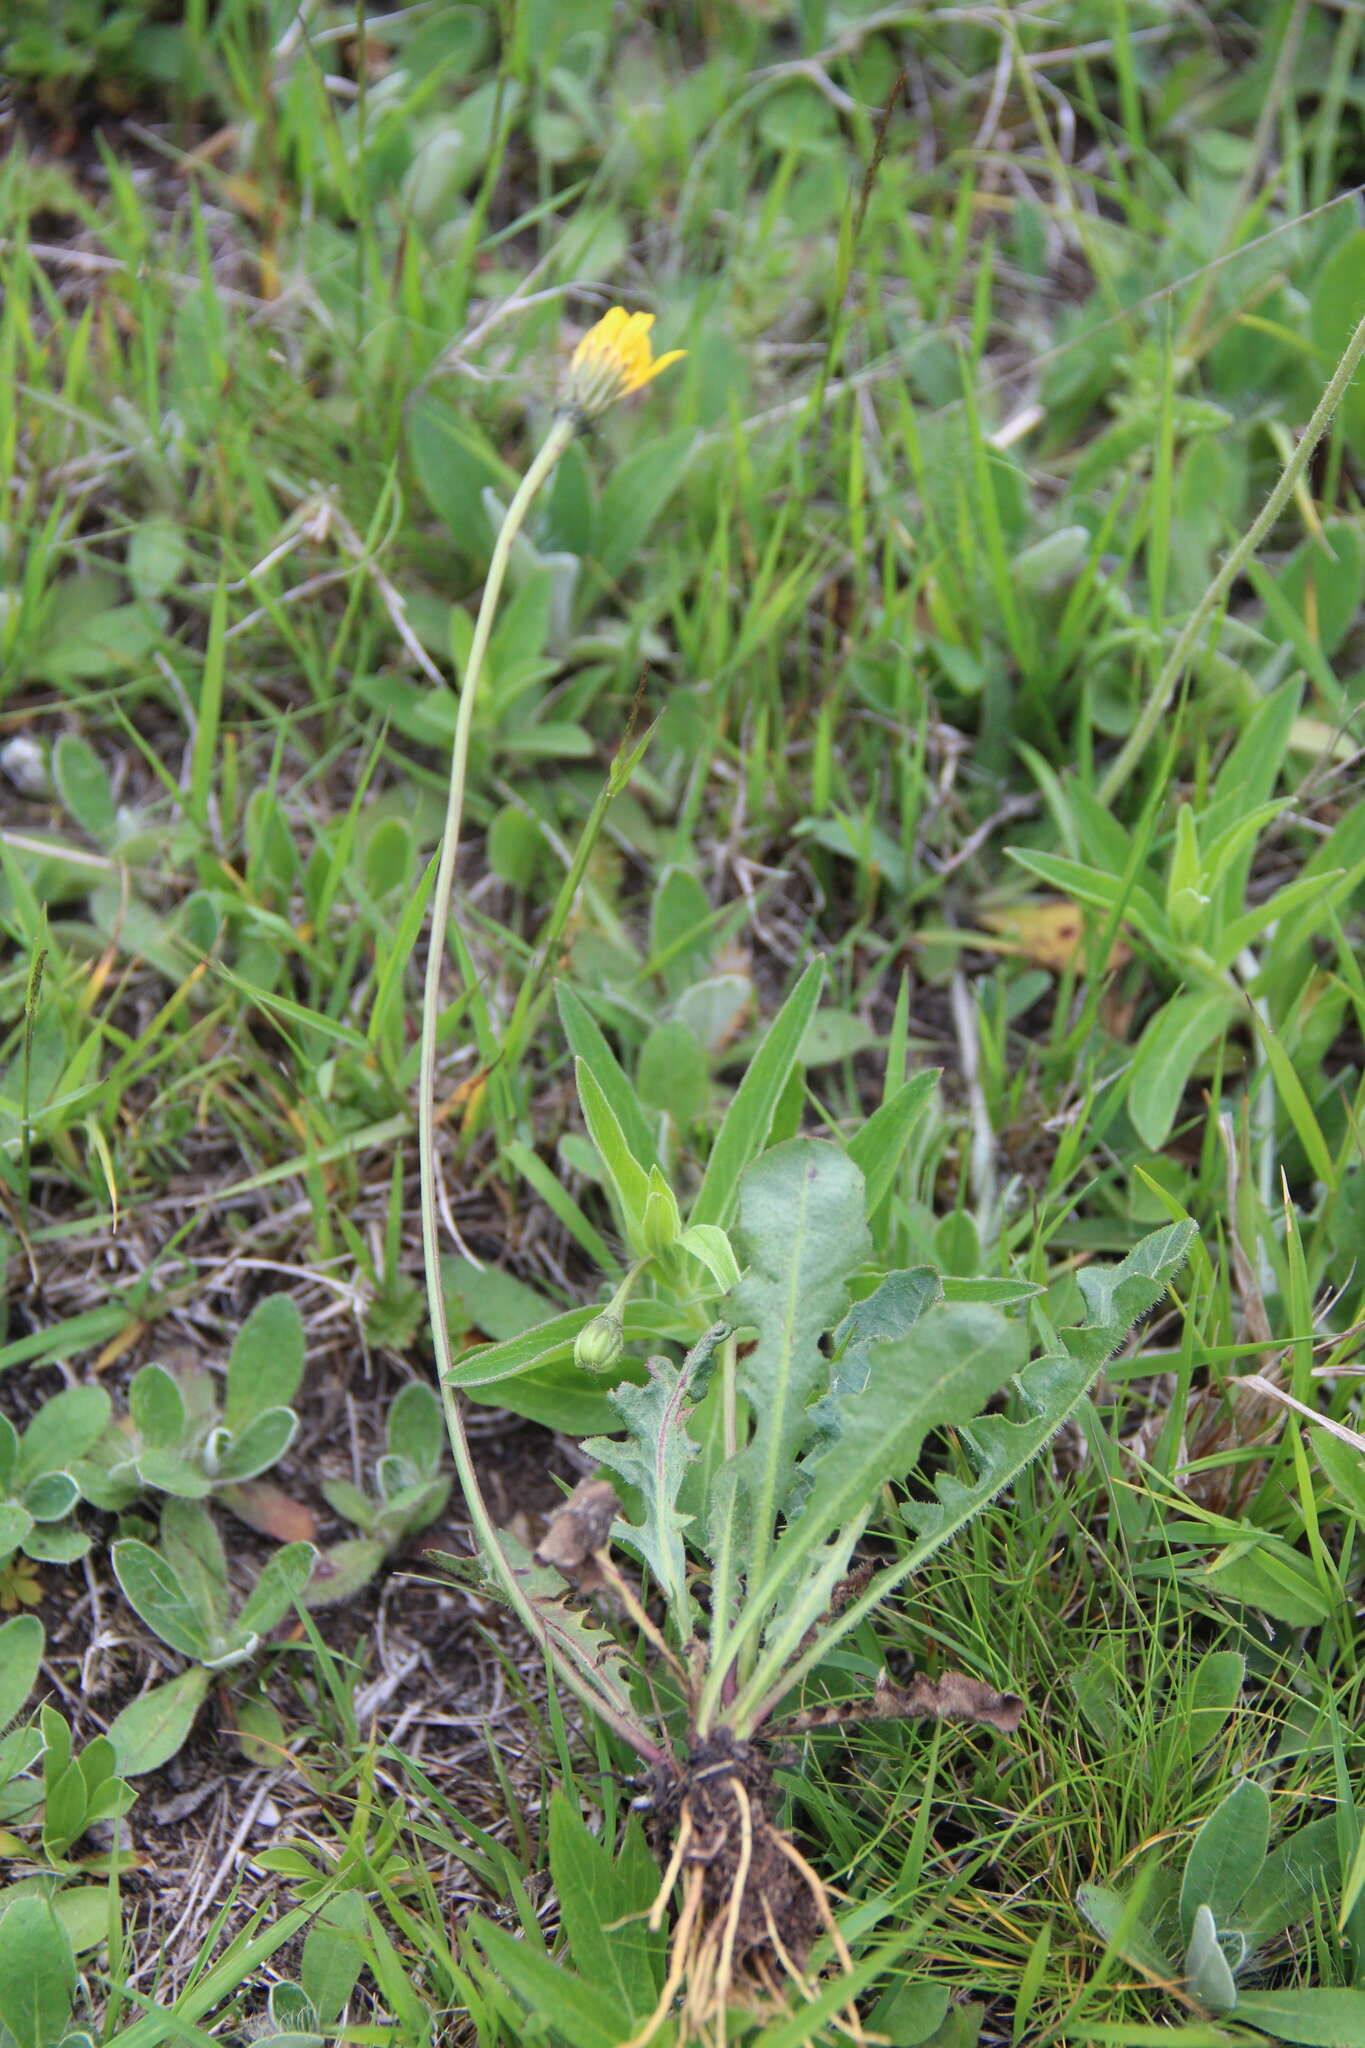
x,y
586,1042
878,1147
744,1131
628,1179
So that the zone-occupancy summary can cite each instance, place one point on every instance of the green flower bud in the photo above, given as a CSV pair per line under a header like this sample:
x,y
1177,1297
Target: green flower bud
x,y
599,1343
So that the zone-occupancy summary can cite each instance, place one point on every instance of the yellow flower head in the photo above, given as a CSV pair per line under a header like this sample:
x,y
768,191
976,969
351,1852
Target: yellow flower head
x,y
613,359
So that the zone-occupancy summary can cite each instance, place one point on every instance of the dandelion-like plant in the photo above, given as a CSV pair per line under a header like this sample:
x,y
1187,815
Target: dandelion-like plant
x,y
832,1399
614,359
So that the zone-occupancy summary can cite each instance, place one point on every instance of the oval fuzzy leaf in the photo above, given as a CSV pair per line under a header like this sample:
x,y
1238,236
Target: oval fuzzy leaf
x,y
1320,2016
673,1074
15,1524
1226,1856
1211,1697
1207,1971
259,1444
267,1361
342,1569
334,1953
151,1729
64,1428
279,1586
52,1496
21,1653
83,786
1303,1869
153,1589
1120,1928
157,1407
416,1429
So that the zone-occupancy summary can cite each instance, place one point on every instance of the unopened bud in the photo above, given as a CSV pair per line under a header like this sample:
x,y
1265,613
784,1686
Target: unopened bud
x,y
599,1343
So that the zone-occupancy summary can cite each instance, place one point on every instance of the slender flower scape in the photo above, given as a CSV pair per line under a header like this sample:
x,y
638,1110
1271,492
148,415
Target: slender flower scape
x,y
613,359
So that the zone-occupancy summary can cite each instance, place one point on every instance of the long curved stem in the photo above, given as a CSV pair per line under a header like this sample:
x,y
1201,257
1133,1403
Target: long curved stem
x,y
615,1712
1133,748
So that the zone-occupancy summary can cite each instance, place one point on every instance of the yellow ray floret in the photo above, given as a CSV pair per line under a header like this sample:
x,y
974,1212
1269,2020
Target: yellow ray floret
x,y
613,359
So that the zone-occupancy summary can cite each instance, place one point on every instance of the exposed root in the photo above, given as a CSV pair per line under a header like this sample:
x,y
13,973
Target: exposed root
x,y
678,1953
675,1864
751,1904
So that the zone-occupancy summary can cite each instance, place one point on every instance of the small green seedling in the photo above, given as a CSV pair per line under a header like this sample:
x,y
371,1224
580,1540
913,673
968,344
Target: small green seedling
x,y
409,1494
1207,1932
74,1792
39,1486
305,2014
174,1438
181,1591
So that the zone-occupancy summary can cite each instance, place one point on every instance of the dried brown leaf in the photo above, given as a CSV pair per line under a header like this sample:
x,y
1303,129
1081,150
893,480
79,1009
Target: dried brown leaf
x,y
578,1528
950,1697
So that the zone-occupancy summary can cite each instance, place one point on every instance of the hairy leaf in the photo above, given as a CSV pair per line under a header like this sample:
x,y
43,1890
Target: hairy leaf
x,y
802,1232
21,1653
149,1730
1117,1296
748,1120
1226,1855
941,1373
935,1377
655,1457
1208,1974
575,1636
890,1311
267,1360
155,1591
1318,2015
37,1974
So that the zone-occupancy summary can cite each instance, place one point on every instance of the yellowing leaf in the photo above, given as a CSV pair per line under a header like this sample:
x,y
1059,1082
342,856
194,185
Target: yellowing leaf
x,y
1046,929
